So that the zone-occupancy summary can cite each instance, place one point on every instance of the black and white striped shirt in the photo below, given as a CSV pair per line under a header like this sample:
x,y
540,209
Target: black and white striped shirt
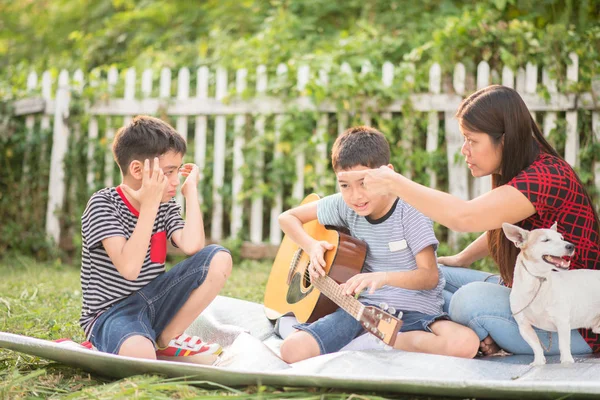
x,y
393,241
108,214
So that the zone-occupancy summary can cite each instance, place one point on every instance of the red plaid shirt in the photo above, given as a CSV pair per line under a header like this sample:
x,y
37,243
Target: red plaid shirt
x,y
551,186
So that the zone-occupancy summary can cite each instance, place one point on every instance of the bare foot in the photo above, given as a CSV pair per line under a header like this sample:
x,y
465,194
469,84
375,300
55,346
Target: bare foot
x,y
488,346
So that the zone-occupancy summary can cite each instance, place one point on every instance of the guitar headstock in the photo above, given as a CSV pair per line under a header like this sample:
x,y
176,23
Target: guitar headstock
x,y
381,324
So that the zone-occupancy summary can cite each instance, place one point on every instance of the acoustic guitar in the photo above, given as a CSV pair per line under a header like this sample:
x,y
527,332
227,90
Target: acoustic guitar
x,y
290,289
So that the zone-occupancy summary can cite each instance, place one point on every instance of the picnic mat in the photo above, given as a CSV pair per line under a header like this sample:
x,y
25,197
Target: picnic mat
x,y
250,357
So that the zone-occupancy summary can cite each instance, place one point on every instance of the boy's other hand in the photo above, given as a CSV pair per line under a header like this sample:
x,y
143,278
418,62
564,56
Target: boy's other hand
x,y
153,185
317,258
377,181
359,282
192,174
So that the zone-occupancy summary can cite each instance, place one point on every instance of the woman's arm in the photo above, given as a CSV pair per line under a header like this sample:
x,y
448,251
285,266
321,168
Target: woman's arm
x,y
484,213
477,250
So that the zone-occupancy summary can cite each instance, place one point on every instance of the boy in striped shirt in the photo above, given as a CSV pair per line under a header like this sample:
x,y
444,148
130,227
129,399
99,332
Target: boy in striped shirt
x,y
400,267
131,306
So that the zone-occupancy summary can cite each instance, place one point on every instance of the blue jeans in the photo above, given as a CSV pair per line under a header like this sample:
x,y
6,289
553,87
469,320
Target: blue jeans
x,y
335,330
149,310
477,300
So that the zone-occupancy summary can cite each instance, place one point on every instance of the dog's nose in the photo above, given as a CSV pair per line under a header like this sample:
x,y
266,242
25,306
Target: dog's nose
x,y
570,246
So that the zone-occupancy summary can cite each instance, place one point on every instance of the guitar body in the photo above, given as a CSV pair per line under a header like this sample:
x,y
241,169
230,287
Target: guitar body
x,y
289,289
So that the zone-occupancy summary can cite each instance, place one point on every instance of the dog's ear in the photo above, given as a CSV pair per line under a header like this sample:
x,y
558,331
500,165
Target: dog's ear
x,y
515,234
554,226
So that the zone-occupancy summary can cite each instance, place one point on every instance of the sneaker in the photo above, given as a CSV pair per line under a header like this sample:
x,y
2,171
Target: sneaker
x,y
190,349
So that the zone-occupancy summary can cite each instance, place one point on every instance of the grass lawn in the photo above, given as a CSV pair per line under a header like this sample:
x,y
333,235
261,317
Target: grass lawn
x,y
43,300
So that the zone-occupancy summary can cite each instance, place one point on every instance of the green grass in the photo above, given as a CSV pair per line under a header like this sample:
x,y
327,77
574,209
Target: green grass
x,y
43,300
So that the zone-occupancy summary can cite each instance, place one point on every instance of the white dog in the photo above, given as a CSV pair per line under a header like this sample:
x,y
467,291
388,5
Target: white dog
x,y
546,294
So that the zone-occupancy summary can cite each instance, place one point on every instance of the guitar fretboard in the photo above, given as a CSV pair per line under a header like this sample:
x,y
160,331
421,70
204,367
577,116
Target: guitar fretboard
x,y
333,291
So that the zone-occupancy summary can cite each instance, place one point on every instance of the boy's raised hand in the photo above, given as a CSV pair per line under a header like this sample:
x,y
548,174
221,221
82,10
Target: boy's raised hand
x,y
378,181
153,185
192,174
359,282
317,258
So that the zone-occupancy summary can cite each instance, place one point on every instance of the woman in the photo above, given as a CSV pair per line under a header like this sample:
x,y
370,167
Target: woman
x,y
532,187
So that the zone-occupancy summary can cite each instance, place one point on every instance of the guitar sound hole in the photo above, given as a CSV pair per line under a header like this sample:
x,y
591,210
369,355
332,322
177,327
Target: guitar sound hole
x,y
306,278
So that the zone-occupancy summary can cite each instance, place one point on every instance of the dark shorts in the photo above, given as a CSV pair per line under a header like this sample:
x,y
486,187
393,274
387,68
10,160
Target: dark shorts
x,y
149,310
334,331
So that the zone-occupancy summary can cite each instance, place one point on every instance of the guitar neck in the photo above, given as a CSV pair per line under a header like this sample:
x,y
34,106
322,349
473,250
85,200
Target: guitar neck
x,y
333,291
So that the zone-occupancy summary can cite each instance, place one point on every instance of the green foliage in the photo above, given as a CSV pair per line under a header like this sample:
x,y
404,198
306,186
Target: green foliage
x,y
23,196
321,34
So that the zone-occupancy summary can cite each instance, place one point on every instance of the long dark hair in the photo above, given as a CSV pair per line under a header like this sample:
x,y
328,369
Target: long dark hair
x,y
501,113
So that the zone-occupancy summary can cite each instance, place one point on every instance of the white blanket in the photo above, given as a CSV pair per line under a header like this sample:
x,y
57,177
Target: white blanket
x,y
251,356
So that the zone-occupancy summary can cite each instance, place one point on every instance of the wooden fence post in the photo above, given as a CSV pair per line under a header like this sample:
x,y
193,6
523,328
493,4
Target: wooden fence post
x,y
277,208
572,144
458,180
550,116
298,189
216,230
92,140
60,138
256,209
483,184
433,123
239,141
183,93
321,160
109,163
201,128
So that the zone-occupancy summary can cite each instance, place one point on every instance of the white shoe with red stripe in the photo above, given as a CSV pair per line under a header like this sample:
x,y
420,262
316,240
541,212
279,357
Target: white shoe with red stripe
x,y
190,349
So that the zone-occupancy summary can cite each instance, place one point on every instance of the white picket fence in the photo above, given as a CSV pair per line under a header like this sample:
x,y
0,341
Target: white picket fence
x,y
201,106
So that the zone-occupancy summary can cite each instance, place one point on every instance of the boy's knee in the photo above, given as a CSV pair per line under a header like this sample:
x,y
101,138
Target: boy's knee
x,y
222,263
138,346
299,346
462,343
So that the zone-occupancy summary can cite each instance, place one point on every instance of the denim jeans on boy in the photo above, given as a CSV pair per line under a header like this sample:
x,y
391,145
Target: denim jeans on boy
x,y
476,299
149,310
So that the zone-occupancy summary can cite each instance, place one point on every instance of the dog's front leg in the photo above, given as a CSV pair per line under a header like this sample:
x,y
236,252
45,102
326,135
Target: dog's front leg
x,y
564,342
528,333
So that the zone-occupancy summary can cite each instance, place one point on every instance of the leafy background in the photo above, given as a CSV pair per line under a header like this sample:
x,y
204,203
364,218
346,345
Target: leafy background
x,y
94,35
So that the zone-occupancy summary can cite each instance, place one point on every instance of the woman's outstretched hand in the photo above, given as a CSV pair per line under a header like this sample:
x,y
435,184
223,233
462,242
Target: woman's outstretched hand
x,y
377,181
453,261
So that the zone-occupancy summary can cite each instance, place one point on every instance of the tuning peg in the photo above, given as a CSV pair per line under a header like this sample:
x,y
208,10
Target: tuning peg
x,y
391,310
384,306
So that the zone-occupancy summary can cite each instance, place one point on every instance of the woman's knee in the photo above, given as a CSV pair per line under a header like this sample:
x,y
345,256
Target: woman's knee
x,y
475,299
299,346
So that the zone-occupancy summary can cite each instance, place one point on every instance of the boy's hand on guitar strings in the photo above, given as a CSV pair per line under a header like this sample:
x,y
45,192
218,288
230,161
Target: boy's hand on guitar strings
x,y
360,282
317,258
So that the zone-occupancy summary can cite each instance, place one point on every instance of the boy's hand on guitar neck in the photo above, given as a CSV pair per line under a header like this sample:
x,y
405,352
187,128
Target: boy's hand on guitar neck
x,y
317,258
360,282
